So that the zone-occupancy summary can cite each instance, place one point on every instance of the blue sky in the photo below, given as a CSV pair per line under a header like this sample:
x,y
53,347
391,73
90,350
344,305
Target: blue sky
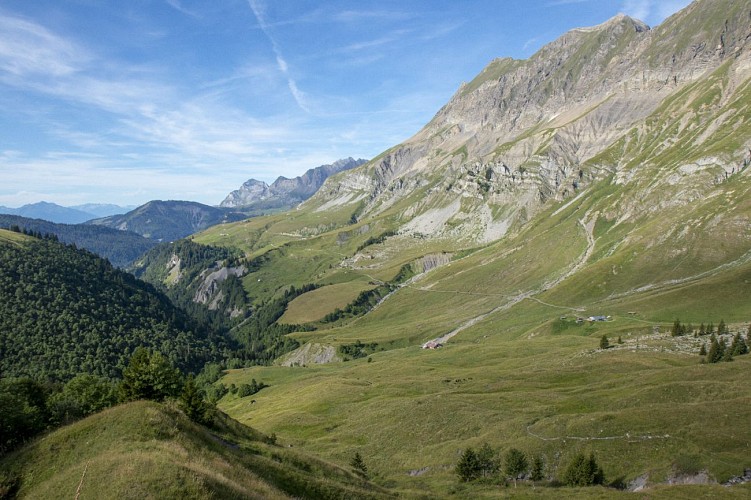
x,y
125,102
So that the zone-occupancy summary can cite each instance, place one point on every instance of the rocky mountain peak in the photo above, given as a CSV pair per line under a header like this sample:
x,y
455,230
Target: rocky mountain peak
x,y
284,191
524,131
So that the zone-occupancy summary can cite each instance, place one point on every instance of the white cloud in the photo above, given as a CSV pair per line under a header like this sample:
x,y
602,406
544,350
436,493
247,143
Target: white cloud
x,y
28,49
259,10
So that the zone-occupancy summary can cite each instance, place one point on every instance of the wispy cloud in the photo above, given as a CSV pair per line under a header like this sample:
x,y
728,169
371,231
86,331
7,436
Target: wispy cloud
x,y
259,11
554,3
652,11
28,49
178,6
639,9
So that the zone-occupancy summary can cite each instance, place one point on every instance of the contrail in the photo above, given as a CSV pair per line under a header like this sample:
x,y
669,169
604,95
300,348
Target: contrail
x,y
297,94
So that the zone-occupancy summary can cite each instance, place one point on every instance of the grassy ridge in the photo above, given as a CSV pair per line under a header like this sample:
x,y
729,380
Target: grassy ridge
x,y
147,450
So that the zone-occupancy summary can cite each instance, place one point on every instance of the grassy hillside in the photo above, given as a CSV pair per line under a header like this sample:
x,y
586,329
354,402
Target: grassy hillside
x,y
522,372
147,450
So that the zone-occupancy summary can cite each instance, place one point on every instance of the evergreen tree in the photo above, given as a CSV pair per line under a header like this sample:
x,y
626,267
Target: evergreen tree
x,y
677,328
358,464
620,340
703,350
714,355
727,352
604,343
702,329
738,347
722,328
515,464
192,403
583,471
468,467
488,462
538,469
710,329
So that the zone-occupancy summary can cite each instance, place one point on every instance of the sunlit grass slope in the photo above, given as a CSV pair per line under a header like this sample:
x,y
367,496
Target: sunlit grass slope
x,y
147,450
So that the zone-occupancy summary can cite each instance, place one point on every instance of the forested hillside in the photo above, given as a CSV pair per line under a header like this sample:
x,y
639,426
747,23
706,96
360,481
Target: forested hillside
x,y
65,311
121,248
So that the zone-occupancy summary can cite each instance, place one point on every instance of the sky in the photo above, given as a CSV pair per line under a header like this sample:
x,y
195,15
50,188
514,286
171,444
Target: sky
x,y
126,102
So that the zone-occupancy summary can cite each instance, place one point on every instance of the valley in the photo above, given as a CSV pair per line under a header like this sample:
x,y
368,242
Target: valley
x,y
557,265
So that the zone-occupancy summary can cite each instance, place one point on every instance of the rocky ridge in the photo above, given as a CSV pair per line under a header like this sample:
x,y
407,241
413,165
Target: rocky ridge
x,y
284,191
525,132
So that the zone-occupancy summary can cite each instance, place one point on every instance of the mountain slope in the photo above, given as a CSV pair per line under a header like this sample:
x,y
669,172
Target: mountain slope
x,y
148,450
169,220
522,132
284,192
605,176
121,248
64,311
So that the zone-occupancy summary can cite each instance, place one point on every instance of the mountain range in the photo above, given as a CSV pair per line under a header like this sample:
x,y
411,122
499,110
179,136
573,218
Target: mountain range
x,y
543,270
284,192
65,215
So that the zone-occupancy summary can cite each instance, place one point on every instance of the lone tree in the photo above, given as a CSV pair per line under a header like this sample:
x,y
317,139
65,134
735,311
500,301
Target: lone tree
x,y
516,464
583,471
358,464
604,343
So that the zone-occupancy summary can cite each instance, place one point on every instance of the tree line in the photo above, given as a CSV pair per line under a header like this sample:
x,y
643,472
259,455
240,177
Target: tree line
x,y
487,465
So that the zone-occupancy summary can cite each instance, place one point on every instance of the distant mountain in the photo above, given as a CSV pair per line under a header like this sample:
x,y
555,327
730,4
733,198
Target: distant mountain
x,y
50,212
103,209
121,248
169,220
286,192
65,215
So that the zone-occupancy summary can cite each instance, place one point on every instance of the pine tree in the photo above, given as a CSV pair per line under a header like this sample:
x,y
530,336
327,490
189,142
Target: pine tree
x,y
738,347
714,354
488,463
604,343
468,467
192,403
516,464
620,341
538,469
702,329
583,471
677,328
722,328
703,350
727,352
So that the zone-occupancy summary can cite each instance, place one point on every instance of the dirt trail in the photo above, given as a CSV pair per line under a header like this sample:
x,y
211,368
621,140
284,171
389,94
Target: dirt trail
x,y
588,230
